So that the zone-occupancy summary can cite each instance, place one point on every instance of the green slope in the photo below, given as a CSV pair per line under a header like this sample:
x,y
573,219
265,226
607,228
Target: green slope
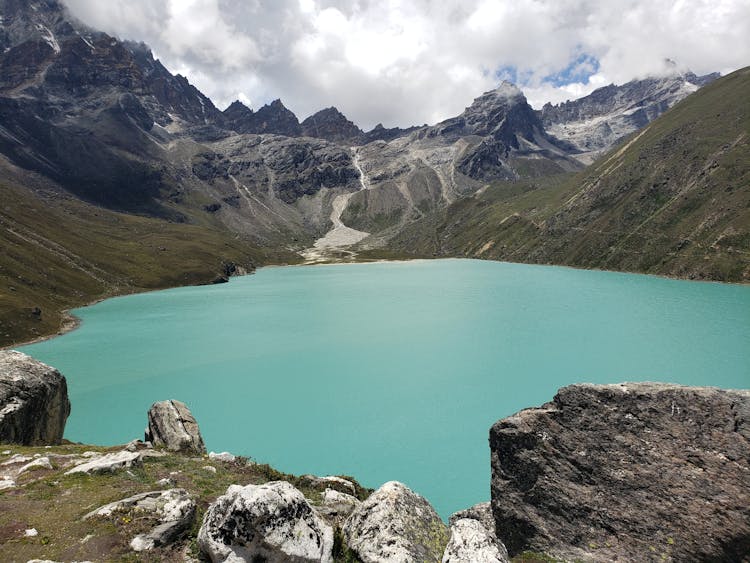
x,y
674,199
58,253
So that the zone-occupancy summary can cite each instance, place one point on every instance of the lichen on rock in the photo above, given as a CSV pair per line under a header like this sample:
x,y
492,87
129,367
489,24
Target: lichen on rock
x,y
396,524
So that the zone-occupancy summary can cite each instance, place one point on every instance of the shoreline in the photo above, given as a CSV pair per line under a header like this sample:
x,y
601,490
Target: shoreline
x,y
71,322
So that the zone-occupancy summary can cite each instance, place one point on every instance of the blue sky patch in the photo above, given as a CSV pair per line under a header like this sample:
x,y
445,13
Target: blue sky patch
x,y
579,70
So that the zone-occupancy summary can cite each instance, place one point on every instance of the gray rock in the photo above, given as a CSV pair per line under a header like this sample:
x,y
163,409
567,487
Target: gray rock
x,y
271,522
336,506
135,445
471,542
329,482
223,456
174,509
38,463
481,512
172,425
17,459
34,403
638,471
108,463
395,524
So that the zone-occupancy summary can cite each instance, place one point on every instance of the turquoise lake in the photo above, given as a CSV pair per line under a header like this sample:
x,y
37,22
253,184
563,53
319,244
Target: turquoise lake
x,y
388,371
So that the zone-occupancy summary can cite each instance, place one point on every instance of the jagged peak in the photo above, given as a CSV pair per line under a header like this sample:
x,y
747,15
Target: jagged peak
x,y
237,105
329,114
506,90
505,95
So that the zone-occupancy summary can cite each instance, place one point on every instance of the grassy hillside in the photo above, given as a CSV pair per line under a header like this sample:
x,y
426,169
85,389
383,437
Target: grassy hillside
x,y
59,252
54,504
674,199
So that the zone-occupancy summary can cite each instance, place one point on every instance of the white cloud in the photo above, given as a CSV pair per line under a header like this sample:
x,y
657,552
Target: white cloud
x,y
197,29
402,62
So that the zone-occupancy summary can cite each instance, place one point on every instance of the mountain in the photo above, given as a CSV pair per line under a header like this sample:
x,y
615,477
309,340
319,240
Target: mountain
x,y
674,199
594,123
332,125
498,136
272,118
108,123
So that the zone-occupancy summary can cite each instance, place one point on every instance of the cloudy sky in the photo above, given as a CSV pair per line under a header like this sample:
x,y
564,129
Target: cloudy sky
x,y
404,62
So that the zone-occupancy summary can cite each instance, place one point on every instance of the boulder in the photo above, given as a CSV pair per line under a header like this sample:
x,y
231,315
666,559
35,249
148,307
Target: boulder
x,y
34,403
481,512
467,537
471,542
108,463
396,524
271,522
222,456
636,471
172,425
336,507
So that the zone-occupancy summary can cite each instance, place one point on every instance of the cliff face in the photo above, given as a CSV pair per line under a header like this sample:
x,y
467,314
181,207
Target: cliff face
x,y
632,472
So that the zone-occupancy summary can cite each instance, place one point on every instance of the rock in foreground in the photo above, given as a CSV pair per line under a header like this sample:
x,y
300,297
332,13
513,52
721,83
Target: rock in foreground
x,y
172,425
397,525
34,403
471,542
174,510
271,523
633,472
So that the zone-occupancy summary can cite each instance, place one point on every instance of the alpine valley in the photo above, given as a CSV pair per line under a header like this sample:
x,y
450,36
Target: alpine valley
x,y
118,176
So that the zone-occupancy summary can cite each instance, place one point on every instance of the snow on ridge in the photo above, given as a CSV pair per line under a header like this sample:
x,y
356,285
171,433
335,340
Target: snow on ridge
x,y
507,90
49,37
85,40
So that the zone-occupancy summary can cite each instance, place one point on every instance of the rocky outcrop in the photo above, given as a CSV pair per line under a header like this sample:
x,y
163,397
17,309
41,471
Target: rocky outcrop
x,y
471,542
396,524
34,403
108,463
172,425
173,509
271,522
633,472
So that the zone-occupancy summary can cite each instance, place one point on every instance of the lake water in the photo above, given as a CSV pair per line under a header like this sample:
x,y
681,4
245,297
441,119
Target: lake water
x,y
390,370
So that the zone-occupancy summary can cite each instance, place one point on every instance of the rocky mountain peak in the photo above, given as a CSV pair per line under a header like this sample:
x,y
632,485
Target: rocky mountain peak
x,y
272,118
237,106
595,122
504,114
44,21
330,124
238,116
